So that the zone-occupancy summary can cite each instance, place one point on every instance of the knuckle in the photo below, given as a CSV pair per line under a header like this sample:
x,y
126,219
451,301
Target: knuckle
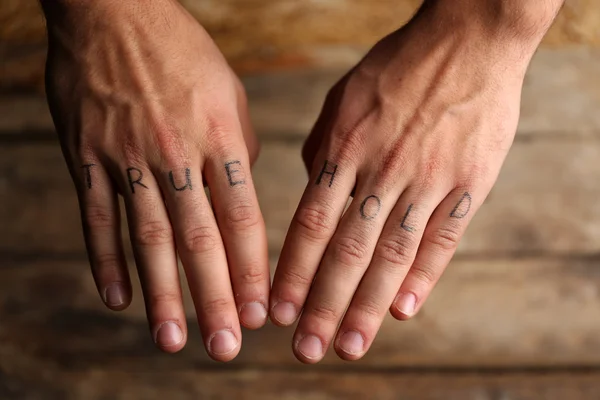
x,y
325,312
199,240
296,277
350,144
220,133
109,262
425,274
371,308
132,152
242,216
433,173
253,274
394,160
217,306
153,233
163,299
446,238
98,217
396,251
349,251
315,221
171,142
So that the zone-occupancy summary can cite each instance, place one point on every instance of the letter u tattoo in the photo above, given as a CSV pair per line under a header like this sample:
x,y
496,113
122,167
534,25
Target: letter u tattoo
x,y
188,181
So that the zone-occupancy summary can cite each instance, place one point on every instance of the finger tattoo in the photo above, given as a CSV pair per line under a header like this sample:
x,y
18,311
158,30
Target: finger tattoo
x,y
331,172
370,207
137,181
404,225
463,207
88,174
231,171
188,181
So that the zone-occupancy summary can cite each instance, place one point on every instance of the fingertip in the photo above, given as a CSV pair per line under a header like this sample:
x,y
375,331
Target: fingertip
x,y
117,296
404,306
223,346
284,314
253,315
350,345
309,349
169,337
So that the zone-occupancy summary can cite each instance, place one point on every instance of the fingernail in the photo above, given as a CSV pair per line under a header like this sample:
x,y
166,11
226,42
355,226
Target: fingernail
x,y
310,347
406,303
168,334
352,343
114,294
253,314
285,313
223,342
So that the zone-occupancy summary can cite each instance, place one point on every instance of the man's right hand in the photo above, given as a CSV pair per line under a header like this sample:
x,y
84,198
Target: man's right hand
x,y
146,106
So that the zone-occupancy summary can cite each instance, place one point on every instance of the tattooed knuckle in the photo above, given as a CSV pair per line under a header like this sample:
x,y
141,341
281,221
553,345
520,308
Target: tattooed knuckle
x,y
296,277
97,217
349,251
216,306
314,220
198,240
153,233
325,311
446,238
242,216
396,251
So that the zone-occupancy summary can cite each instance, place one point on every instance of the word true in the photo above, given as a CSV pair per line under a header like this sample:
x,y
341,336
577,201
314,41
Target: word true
x,y
135,177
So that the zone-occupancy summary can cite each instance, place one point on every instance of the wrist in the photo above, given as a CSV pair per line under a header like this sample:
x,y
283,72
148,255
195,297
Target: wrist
x,y
522,21
78,11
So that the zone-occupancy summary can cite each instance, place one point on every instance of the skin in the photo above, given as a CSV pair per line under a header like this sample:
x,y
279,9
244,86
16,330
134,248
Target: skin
x,y
417,131
146,107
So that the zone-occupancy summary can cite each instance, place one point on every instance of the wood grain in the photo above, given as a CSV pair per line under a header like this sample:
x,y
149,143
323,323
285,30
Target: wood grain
x,y
250,384
484,313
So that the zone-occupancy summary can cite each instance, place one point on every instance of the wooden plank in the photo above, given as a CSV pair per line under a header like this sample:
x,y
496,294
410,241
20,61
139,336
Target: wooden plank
x,y
561,96
249,384
484,314
544,202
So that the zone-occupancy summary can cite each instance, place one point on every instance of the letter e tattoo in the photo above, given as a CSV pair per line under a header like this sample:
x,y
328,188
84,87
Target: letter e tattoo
x,y
230,172
137,181
463,207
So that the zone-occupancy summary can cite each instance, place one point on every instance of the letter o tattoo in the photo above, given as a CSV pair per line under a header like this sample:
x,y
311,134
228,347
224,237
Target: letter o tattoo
x,y
369,213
